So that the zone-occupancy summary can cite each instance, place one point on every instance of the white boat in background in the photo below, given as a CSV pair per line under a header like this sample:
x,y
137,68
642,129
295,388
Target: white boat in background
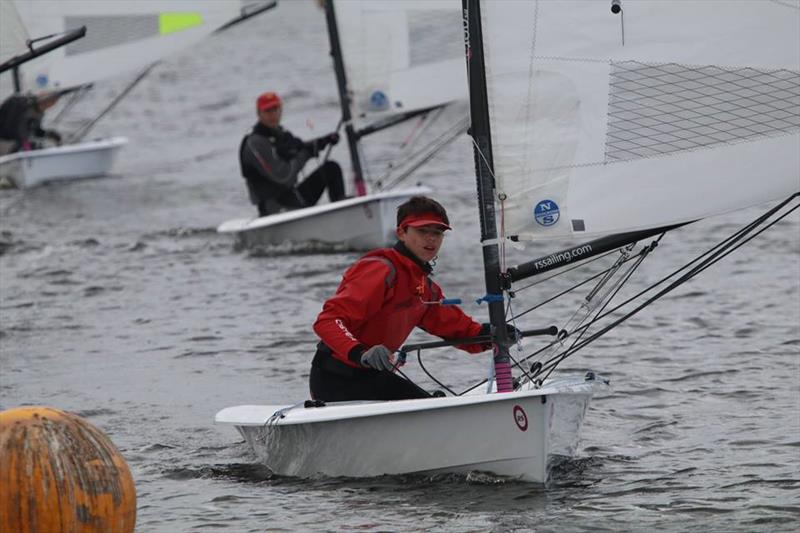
x,y
379,80
359,223
118,38
594,128
62,163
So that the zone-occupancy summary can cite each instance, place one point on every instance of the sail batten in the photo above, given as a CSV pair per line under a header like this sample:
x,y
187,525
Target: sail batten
x,y
687,110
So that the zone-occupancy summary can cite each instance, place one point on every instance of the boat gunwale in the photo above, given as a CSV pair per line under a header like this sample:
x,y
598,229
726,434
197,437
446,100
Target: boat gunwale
x,y
71,149
247,224
339,411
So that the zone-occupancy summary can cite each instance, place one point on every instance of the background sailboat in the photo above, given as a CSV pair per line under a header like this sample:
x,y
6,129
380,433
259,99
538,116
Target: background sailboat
x,y
383,53
531,111
121,37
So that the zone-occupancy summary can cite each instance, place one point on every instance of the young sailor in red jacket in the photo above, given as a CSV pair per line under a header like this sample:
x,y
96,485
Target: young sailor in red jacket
x,y
382,297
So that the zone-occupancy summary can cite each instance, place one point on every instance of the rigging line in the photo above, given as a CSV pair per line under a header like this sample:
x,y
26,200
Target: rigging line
x,y
419,359
723,252
83,130
556,359
433,150
601,300
728,241
330,146
424,123
488,166
411,382
618,288
74,98
576,286
408,144
576,266
365,173
502,233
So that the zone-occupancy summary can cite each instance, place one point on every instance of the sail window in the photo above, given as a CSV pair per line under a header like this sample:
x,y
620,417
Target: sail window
x,y
660,109
105,31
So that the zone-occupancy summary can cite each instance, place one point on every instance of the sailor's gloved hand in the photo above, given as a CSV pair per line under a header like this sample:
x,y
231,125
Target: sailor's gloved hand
x,y
331,138
53,135
378,357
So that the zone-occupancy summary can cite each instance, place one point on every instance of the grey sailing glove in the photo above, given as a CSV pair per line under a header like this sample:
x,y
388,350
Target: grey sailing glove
x,y
378,357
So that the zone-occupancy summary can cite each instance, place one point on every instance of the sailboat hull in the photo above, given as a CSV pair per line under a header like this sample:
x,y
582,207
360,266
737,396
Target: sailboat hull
x,y
513,434
61,163
360,223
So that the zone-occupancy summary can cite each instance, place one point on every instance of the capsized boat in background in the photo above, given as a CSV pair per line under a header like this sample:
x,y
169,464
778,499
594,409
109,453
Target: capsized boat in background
x,y
621,132
383,52
118,38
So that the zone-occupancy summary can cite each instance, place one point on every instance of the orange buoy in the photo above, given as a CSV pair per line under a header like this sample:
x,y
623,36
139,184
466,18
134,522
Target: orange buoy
x,y
60,473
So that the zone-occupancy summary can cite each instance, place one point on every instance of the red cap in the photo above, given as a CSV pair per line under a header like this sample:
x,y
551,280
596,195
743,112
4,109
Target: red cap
x,y
268,101
424,219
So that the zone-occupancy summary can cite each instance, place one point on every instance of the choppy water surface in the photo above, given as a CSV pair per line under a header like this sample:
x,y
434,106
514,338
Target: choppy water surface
x,y
121,303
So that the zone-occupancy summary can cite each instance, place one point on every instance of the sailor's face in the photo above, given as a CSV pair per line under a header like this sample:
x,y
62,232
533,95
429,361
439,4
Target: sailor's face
x,y
424,241
271,117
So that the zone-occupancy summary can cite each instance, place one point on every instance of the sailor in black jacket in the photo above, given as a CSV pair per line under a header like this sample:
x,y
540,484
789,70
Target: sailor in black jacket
x,y
271,159
21,118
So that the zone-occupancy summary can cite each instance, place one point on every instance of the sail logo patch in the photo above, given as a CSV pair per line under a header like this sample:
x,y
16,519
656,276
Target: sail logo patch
x,y
546,213
520,418
378,101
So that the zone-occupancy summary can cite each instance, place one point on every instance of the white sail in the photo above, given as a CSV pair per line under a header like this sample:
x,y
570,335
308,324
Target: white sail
x,y
121,36
12,32
402,56
663,113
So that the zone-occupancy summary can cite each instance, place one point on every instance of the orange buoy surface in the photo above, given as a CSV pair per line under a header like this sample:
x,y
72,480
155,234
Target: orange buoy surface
x,y
60,473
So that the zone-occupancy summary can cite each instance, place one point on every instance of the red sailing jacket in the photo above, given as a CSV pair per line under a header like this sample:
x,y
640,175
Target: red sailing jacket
x,y
378,304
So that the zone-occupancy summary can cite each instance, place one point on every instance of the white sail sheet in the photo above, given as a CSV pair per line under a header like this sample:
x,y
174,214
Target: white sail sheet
x,y
663,113
12,33
402,56
121,36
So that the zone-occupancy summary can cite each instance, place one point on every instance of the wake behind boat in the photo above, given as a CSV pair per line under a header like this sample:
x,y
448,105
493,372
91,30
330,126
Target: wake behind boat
x,y
61,163
359,223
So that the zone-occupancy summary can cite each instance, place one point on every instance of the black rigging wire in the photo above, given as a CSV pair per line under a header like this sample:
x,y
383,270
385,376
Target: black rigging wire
x,y
576,286
703,261
714,255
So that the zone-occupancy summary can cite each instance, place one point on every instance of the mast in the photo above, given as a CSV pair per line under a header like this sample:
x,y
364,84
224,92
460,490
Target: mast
x,y
484,172
344,98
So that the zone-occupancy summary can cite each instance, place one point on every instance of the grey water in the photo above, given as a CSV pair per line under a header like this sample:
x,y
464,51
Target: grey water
x,y
120,302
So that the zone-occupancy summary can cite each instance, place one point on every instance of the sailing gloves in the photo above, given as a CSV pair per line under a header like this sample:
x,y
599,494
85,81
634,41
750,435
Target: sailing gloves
x,y
514,335
331,138
379,357
315,146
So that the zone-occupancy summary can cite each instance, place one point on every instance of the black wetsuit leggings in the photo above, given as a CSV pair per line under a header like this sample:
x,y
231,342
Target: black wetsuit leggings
x,y
327,176
362,385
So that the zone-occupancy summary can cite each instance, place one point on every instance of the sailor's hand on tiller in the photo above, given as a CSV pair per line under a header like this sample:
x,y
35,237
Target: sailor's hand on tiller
x,y
332,138
379,357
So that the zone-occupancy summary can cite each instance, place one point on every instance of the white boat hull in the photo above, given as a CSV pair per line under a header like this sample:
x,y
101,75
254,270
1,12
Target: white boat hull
x,y
512,434
360,223
60,163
